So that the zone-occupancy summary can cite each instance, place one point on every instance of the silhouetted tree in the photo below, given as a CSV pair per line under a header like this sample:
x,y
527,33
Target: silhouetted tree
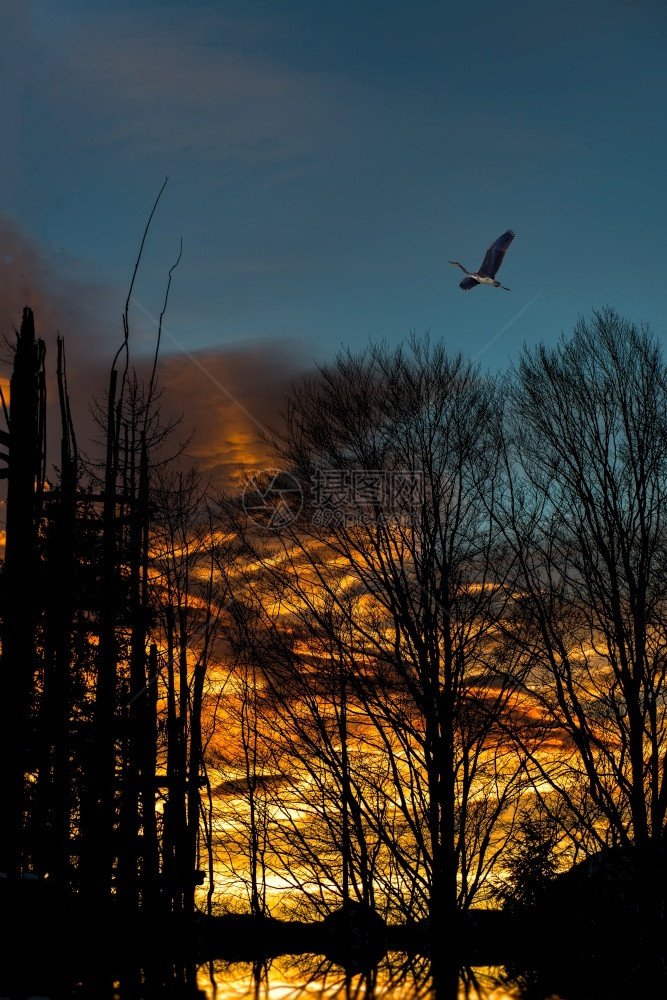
x,y
396,443
530,862
25,474
584,512
187,612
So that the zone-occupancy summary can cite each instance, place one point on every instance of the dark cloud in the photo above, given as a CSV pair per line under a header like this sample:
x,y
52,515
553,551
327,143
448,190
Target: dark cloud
x,y
228,398
64,301
31,276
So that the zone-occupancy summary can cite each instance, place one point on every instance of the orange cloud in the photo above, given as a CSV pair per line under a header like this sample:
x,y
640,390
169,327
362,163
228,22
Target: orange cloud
x,y
231,399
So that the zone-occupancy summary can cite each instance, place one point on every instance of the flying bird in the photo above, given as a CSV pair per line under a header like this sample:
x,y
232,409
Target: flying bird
x,y
493,258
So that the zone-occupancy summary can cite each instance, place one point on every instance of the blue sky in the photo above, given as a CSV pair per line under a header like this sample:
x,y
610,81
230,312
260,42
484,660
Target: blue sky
x,y
325,160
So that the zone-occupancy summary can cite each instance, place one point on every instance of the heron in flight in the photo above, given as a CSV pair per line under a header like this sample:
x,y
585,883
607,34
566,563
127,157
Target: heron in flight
x,y
493,258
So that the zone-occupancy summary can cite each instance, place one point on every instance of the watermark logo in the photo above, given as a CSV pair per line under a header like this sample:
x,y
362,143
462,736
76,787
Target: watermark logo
x,y
352,490
336,498
364,498
273,499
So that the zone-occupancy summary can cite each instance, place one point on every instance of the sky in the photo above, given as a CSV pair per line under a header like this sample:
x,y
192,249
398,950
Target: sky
x,y
324,161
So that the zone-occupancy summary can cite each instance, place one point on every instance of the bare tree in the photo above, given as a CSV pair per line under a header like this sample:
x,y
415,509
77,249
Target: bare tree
x,y
245,758
397,542
321,836
187,633
585,514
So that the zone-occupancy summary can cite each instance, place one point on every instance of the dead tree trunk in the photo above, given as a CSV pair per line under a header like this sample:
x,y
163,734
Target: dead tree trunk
x,y
98,849
54,791
25,479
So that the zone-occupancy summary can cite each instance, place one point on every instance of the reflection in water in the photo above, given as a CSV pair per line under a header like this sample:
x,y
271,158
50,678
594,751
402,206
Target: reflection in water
x,y
398,977
410,977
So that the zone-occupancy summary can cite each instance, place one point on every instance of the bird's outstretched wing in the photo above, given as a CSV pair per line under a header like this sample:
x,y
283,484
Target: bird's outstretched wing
x,y
468,283
493,257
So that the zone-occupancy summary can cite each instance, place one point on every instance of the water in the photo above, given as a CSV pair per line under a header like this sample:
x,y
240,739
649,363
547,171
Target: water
x,y
398,977
403,977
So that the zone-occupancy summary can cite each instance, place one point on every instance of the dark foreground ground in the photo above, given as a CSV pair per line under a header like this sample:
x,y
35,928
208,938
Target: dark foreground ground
x,y
586,942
